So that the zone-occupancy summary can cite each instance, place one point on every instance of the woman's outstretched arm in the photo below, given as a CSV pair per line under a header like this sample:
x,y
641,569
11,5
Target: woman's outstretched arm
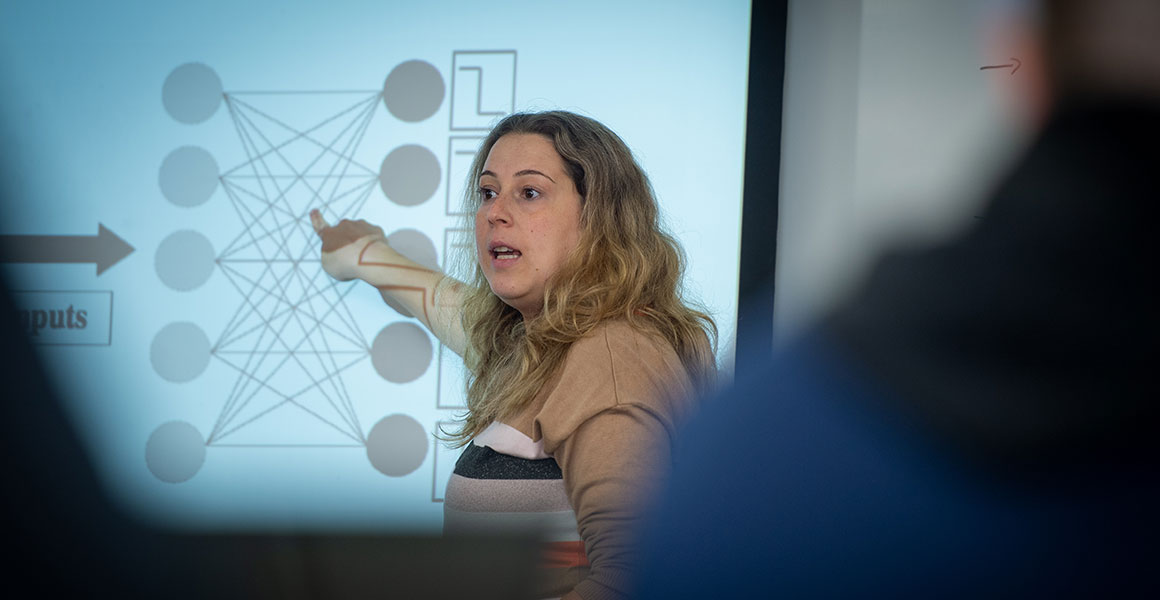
x,y
359,250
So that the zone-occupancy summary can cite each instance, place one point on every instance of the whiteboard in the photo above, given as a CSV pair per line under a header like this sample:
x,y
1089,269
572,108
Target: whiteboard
x,y
219,380
893,133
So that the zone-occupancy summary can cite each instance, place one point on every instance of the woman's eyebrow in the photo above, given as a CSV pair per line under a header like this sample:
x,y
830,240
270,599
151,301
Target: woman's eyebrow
x,y
534,172
520,173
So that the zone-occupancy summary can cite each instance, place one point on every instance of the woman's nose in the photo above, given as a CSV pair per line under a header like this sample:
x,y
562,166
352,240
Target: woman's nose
x,y
498,211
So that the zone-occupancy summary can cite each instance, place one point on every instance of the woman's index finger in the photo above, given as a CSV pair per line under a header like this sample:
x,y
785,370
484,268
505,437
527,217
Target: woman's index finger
x,y
317,221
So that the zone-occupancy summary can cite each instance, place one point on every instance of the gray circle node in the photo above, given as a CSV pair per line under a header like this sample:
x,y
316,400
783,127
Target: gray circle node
x,y
184,260
180,352
410,175
415,245
191,93
413,91
397,445
189,176
398,306
175,452
401,352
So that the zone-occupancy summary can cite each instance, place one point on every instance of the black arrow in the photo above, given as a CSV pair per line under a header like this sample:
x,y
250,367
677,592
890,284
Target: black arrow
x,y
105,249
1018,63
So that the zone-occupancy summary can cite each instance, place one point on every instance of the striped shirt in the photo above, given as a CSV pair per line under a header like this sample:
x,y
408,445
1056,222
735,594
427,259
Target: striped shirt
x,y
579,463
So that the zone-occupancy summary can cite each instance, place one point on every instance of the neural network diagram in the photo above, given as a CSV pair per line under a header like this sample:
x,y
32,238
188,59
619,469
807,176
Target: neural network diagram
x,y
292,339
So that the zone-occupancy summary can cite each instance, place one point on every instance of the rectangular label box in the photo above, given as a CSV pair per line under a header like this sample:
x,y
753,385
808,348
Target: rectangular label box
x,y
483,88
66,318
451,385
460,153
457,242
444,459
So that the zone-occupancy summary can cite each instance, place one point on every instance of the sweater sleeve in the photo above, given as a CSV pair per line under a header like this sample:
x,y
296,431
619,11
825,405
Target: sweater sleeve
x,y
609,424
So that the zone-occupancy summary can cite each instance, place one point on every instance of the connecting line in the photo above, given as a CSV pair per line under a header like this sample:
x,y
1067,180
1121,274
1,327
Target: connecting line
x,y
261,158
338,383
231,334
360,192
357,207
255,158
376,93
278,306
226,415
244,352
251,149
359,125
316,383
289,445
234,403
308,336
277,406
268,206
357,195
230,412
364,117
270,203
345,157
268,326
334,375
218,432
352,143
299,135
234,192
347,319
265,320
421,290
309,251
247,299
332,307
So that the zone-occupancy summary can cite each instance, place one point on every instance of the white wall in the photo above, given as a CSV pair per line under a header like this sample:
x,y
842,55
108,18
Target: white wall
x,y
891,135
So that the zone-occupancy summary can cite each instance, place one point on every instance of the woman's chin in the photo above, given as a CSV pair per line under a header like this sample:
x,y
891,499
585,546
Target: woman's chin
x,y
518,301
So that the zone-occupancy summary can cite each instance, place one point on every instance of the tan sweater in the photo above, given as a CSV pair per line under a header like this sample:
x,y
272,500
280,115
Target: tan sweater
x,y
607,419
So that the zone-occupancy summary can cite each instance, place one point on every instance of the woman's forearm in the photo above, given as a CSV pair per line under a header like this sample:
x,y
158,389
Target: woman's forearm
x,y
428,295
359,250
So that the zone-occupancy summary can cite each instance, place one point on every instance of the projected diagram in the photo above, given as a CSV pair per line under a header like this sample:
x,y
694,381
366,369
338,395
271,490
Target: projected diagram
x,y
292,340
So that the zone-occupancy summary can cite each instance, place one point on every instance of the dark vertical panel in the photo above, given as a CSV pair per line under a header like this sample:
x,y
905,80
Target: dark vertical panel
x,y
762,174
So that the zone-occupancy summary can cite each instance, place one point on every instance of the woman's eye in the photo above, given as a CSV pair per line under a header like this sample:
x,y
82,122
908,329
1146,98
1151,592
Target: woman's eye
x,y
486,193
530,194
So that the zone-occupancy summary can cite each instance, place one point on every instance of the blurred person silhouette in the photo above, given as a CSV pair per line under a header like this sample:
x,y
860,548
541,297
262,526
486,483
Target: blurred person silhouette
x,y
980,419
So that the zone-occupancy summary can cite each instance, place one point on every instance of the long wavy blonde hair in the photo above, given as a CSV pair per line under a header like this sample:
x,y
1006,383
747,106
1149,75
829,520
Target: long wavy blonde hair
x,y
624,267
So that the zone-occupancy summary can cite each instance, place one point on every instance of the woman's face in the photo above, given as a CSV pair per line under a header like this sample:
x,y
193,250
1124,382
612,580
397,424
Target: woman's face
x,y
528,219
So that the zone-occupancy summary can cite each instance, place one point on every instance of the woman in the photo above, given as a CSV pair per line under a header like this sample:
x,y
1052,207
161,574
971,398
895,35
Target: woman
x,y
583,358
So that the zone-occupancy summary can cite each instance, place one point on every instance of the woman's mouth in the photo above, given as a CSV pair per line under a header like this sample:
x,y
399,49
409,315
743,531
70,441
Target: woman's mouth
x,y
505,253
